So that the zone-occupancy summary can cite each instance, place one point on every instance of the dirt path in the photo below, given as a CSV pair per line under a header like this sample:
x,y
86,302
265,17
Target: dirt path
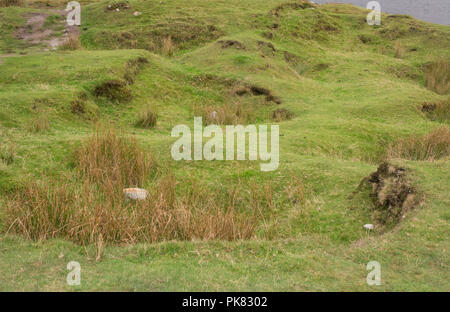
x,y
35,33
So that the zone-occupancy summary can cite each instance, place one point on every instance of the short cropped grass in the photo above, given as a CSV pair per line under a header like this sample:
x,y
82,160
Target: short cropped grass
x,y
346,97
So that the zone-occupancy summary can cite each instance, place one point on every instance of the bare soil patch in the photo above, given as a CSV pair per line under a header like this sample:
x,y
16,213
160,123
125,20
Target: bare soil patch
x,y
35,32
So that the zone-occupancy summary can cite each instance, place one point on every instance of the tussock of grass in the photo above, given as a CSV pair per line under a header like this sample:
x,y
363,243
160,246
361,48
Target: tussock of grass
x,y
156,38
295,191
433,146
86,215
39,124
7,153
147,118
8,3
121,5
114,90
439,111
84,108
97,210
301,4
71,43
257,91
228,114
400,50
133,67
282,114
437,76
168,47
108,158
91,208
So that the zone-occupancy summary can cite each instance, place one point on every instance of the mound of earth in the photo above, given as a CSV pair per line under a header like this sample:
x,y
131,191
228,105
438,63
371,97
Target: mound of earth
x,y
231,44
257,91
392,193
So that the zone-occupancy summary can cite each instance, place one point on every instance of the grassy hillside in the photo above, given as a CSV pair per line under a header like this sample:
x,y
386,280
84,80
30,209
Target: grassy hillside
x,y
347,97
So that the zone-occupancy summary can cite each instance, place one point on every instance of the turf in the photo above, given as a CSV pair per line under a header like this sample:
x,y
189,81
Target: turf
x,y
350,95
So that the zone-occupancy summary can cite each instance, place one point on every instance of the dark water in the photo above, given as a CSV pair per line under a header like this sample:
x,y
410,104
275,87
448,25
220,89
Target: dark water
x,y
434,11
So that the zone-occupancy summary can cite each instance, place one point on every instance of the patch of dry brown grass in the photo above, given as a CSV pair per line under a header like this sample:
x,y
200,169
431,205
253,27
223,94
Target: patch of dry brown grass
x,y
281,114
168,47
7,153
433,146
71,43
39,124
7,3
228,114
437,75
86,215
107,157
147,118
400,50
437,111
90,208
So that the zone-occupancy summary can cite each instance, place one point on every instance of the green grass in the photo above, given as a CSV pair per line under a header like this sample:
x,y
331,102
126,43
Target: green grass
x,y
351,97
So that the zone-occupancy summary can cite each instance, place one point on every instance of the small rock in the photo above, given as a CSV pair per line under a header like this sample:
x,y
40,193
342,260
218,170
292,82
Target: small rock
x,y
137,13
118,10
368,226
135,193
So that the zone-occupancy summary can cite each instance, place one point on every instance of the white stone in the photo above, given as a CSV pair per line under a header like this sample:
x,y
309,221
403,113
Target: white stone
x,y
135,193
137,13
368,226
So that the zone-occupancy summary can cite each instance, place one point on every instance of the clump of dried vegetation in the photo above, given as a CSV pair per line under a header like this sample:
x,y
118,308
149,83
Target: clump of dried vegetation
x,y
84,108
90,208
160,38
168,47
400,50
114,90
229,114
7,153
392,193
282,114
133,67
71,43
437,76
8,3
39,124
437,111
433,146
107,157
147,118
257,91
